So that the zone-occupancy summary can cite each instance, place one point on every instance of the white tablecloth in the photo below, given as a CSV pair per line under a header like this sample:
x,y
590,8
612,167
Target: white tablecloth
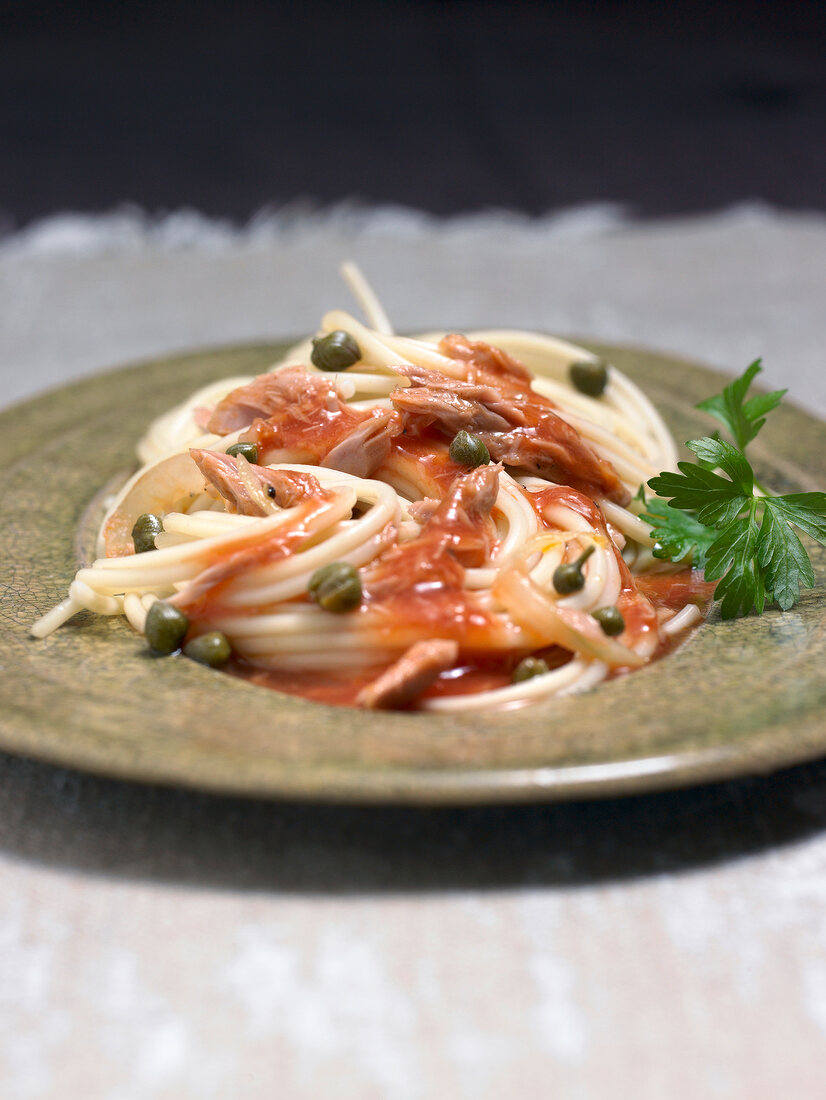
x,y
157,944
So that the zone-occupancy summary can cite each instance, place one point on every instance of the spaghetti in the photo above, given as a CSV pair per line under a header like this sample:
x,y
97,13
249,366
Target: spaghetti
x,y
447,522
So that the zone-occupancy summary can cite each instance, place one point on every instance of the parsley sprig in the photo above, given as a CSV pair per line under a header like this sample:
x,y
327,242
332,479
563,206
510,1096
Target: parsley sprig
x,y
716,511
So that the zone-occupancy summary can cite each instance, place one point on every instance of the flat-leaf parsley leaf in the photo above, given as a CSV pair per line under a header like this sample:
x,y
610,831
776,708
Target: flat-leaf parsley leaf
x,y
744,419
717,511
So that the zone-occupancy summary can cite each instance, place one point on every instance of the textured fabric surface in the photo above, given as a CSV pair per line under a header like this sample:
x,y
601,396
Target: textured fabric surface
x,y
78,294
158,944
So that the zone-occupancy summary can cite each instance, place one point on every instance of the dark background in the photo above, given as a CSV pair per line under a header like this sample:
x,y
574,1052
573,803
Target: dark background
x,y
447,106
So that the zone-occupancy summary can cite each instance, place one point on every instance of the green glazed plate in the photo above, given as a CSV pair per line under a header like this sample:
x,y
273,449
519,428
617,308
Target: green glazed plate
x,y
739,698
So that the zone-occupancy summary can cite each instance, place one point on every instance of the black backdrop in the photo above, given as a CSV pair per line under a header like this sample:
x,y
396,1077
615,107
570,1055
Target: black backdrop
x,y
446,106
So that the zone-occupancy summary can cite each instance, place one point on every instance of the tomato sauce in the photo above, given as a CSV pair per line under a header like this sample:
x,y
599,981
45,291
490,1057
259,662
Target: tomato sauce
x,y
425,459
202,599
416,589
673,591
473,675
311,438
336,688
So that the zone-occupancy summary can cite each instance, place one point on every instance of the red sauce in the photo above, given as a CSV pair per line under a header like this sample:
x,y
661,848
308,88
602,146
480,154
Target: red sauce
x,y
416,589
564,495
672,592
486,673
675,591
311,437
334,688
340,688
424,458
202,599
440,611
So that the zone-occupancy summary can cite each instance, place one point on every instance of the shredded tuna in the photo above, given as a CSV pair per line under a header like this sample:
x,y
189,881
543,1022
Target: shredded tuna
x,y
518,425
254,490
457,535
480,404
461,518
486,360
295,415
294,388
201,415
452,411
554,450
406,679
423,510
362,451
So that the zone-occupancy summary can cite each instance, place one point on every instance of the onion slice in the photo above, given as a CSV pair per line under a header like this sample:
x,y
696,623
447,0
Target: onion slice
x,y
168,486
574,630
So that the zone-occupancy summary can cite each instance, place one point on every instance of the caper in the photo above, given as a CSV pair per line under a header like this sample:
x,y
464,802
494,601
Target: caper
x,y
211,649
336,587
335,351
611,620
144,530
165,628
527,668
589,378
569,577
469,450
249,451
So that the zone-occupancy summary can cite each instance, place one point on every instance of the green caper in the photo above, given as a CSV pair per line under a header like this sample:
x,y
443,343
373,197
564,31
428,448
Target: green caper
x,y
211,649
611,620
336,587
165,628
249,451
335,351
589,378
144,530
527,668
469,450
569,577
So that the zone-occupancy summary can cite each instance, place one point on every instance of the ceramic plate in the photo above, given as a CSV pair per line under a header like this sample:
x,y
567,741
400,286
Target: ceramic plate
x,y
740,697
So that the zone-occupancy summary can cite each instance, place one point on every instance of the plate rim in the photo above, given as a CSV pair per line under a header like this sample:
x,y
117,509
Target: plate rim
x,y
414,785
